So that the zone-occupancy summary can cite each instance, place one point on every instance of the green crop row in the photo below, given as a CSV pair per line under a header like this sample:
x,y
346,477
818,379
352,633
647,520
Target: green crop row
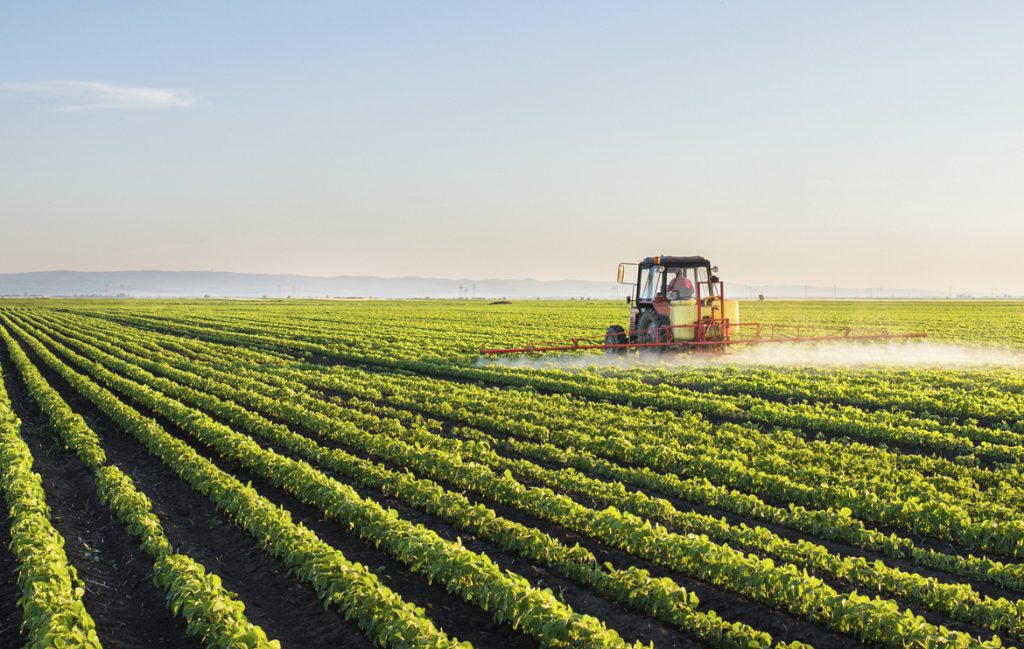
x,y
212,613
660,598
509,597
957,600
927,512
798,468
51,592
751,450
382,614
886,390
834,524
751,576
985,526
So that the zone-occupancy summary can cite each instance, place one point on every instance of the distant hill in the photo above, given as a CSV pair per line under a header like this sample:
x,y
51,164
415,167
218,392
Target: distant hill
x,y
160,283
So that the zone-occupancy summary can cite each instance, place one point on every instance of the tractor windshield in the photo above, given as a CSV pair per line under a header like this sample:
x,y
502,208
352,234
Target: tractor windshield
x,y
682,282
651,282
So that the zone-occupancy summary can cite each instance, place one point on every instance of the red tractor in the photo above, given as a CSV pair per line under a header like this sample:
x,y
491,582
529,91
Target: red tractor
x,y
679,303
675,300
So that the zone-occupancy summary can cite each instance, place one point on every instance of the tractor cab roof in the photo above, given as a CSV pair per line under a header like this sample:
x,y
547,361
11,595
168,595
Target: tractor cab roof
x,y
676,262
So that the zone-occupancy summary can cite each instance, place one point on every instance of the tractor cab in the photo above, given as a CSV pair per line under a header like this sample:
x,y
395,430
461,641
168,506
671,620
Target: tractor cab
x,y
664,279
674,299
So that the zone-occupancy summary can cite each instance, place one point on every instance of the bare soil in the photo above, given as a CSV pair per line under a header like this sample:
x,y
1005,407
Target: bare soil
x,y
284,607
10,612
128,609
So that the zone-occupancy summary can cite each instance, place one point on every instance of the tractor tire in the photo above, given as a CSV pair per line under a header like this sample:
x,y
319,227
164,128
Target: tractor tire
x,y
650,330
615,335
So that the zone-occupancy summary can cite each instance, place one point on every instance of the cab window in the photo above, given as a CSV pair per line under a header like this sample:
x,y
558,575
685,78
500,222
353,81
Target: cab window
x,y
651,282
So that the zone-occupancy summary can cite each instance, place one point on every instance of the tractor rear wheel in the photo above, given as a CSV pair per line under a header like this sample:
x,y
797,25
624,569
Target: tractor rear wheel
x,y
650,329
615,335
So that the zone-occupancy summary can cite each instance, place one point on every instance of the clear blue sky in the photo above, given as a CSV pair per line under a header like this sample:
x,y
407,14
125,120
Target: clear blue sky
x,y
861,143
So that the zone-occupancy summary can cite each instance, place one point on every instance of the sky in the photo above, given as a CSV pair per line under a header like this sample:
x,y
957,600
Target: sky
x,y
862,144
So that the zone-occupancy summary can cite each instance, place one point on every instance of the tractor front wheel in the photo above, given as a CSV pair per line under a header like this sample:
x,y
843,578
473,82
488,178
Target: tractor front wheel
x,y
615,335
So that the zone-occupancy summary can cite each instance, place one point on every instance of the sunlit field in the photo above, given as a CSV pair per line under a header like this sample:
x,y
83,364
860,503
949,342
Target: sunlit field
x,y
354,473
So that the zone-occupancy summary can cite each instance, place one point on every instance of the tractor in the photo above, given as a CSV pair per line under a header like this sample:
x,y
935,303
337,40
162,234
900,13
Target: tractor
x,y
679,303
675,300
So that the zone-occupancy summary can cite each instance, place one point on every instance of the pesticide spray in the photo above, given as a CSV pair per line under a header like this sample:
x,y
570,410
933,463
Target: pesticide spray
x,y
882,354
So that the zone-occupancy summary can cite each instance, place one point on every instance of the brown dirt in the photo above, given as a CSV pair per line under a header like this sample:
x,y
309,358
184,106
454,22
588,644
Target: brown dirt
x,y
10,612
286,609
127,607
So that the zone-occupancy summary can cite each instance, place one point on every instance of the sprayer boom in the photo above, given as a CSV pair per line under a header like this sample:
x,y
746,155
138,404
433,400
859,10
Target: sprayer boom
x,y
760,334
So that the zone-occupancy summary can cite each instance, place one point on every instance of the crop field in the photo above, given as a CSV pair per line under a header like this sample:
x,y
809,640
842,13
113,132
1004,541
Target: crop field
x,y
317,474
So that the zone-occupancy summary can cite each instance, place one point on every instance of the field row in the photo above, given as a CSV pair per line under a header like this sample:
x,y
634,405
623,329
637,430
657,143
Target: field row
x,y
596,508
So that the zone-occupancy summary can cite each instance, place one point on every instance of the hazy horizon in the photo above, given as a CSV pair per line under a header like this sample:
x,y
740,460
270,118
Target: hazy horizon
x,y
791,143
156,283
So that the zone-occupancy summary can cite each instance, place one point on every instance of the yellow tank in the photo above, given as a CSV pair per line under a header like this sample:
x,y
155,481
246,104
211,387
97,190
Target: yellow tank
x,y
684,312
732,314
